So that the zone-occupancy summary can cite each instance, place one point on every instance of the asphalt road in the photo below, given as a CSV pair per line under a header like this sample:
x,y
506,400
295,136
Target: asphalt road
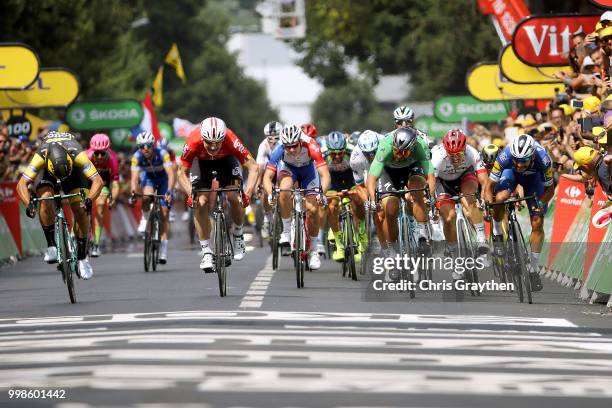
x,y
166,338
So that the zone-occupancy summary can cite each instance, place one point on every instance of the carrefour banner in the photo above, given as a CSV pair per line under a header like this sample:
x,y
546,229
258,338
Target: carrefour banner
x,y
451,109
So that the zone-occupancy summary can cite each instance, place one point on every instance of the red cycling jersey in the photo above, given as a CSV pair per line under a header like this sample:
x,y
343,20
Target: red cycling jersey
x,y
231,146
111,165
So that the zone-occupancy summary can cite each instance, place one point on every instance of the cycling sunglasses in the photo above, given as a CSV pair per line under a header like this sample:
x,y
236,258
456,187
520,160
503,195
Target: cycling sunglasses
x,y
293,146
403,122
336,152
100,153
522,161
401,153
145,145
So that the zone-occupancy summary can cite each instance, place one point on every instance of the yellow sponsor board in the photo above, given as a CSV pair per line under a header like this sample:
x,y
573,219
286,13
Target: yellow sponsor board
x,y
517,71
36,122
485,82
19,66
54,87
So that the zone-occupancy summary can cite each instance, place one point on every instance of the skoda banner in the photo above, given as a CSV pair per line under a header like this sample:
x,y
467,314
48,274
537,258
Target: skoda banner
x,y
433,127
545,40
517,71
19,66
486,83
112,114
54,87
457,108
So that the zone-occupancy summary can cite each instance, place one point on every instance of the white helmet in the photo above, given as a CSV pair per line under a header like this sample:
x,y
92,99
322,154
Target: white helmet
x,y
273,127
403,113
290,134
212,129
368,141
145,138
523,146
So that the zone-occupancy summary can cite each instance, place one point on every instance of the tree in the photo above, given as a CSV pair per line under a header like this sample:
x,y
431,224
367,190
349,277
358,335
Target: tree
x,y
347,108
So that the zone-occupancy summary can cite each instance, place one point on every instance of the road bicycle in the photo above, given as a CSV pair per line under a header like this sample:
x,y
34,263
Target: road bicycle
x,y
223,247
152,234
67,260
516,254
349,232
276,228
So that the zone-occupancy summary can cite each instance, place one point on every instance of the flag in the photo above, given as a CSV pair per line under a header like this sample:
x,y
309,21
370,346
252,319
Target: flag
x,y
149,120
158,87
174,60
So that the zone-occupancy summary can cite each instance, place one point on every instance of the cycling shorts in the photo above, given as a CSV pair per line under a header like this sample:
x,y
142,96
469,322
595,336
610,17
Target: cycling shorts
x,y
396,178
70,185
533,184
342,180
306,176
449,188
159,184
229,172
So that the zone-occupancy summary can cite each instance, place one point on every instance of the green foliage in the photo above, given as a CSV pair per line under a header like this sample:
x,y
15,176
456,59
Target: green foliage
x,y
347,108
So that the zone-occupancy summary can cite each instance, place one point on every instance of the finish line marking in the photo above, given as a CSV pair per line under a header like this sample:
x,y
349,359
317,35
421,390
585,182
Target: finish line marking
x,y
256,292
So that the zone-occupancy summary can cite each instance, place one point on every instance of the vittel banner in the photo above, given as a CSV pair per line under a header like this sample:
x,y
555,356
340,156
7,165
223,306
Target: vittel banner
x,y
546,40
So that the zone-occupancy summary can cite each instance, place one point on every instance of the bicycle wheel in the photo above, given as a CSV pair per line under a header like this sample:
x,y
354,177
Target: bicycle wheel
x,y
154,241
299,261
523,260
404,248
512,262
464,245
147,248
365,256
220,246
191,226
65,260
275,226
350,247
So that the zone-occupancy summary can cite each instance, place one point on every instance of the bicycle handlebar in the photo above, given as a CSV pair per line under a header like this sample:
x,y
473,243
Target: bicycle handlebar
x,y
456,197
59,196
511,201
216,190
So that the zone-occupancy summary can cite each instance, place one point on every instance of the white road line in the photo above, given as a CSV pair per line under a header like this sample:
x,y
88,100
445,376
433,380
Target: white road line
x,y
256,292
135,255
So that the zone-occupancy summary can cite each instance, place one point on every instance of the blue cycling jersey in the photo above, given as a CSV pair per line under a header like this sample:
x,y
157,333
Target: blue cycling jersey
x,y
155,166
541,164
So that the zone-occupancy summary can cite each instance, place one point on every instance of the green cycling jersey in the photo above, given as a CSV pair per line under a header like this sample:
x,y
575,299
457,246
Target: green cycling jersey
x,y
384,156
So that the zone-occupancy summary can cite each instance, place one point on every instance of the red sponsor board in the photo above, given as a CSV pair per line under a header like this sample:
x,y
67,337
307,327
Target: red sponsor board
x,y
596,235
545,40
9,208
602,3
508,13
570,195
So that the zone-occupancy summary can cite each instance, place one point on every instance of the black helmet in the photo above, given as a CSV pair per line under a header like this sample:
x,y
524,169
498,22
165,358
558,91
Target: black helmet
x,y
59,162
404,138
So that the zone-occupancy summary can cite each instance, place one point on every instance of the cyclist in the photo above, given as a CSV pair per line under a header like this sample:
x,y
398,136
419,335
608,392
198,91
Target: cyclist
x,y
524,163
404,118
152,169
310,130
458,170
354,137
488,154
66,163
402,161
105,160
361,157
271,131
215,147
298,159
337,154
593,165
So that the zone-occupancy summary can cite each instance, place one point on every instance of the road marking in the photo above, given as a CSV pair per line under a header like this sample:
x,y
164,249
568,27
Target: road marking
x,y
135,255
256,292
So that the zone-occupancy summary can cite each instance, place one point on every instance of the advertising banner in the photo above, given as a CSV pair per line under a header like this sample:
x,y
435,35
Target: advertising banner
x,y
516,71
485,82
19,66
54,87
602,3
597,229
451,109
546,40
570,195
9,208
433,127
111,114
506,14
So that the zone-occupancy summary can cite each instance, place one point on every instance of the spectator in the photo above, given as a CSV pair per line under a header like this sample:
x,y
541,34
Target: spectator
x,y
5,146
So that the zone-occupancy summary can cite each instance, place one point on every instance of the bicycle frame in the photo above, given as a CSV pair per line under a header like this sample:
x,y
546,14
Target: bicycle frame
x,y
349,233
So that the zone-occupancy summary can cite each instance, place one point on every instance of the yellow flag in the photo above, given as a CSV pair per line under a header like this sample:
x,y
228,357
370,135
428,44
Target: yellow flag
x,y
157,87
174,60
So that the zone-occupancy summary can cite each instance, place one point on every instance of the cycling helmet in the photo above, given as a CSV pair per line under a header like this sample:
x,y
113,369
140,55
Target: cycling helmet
x,y
489,154
523,147
59,162
309,130
403,113
290,135
145,138
454,141
213,130
273,128
354,137
404,138
99,141
368,141
336,141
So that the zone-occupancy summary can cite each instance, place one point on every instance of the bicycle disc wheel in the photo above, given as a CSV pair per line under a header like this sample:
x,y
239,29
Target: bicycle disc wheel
x,y
220,253
65,256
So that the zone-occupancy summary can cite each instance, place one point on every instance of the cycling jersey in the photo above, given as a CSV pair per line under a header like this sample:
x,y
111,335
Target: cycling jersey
x,y
79,157
309,153
359,165
384,157
444,169
109,169
263,153
231,146
541,164
155,167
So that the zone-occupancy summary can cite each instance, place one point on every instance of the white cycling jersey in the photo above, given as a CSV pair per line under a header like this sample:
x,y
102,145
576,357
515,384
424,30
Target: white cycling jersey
x,y
445,170
263,152
359,165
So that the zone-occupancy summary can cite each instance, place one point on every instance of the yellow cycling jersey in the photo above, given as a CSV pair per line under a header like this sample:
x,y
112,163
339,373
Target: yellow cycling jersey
x,y
79,157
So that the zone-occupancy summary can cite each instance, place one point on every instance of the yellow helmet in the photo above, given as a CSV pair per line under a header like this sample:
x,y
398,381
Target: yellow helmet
x,y
59,162
583,156
489,154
